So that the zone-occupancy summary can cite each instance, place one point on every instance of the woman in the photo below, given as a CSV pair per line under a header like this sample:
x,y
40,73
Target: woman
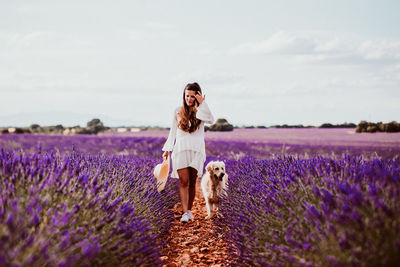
x,y
186,141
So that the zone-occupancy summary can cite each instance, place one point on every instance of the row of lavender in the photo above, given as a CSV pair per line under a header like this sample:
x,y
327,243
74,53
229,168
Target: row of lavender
x,y
59,144
92,200
239,149
80,209
151,146
316,211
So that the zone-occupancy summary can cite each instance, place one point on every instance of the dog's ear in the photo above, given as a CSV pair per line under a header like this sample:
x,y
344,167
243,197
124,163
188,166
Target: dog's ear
x,y
209,166
226,180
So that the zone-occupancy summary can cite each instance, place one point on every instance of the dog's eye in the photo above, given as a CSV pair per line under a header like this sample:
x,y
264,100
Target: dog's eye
x,y
216,169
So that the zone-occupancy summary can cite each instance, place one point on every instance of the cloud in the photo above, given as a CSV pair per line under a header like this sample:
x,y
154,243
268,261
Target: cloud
x,y
281,43
152,30
381,50
159,25
376,52
322,47
43,40
396,72
214,77
49,61
43,81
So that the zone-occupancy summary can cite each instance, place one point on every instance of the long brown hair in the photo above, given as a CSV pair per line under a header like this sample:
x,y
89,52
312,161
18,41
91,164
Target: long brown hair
x,y
188,121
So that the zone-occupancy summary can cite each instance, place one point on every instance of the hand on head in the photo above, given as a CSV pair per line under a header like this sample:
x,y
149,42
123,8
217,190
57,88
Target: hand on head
x,y
200,98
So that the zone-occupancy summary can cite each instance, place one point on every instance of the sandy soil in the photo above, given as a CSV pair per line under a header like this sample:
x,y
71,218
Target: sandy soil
x,y
195,243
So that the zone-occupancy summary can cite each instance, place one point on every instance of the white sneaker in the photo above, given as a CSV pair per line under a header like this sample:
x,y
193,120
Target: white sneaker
x,y
185,218
190,214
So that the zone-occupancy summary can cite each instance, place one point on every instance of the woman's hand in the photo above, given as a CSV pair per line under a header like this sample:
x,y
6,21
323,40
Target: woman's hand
x,y
200,98
165,154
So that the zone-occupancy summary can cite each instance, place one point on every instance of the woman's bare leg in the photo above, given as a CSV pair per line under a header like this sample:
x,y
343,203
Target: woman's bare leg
x,y
184,177
192,187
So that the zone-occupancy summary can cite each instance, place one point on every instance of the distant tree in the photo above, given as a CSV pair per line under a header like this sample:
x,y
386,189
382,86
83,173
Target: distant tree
x,y
221,125
370,127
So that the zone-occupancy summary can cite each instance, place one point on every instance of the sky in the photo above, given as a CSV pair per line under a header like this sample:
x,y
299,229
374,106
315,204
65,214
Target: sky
x,y
258,62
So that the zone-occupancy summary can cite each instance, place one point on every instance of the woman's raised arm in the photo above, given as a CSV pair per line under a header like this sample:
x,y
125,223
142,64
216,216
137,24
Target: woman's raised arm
x,y
204,113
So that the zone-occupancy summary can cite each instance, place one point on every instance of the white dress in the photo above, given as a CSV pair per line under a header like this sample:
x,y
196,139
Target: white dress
x,y
188,149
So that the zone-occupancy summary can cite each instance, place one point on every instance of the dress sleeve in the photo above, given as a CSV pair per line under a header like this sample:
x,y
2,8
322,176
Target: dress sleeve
x,y
204,113
169,144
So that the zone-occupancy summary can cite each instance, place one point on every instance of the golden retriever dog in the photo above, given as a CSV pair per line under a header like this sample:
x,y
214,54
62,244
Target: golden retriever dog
x,y
214,185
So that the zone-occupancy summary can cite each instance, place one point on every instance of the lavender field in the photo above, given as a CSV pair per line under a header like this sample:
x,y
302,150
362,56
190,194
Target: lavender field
x,y
302,198
263,143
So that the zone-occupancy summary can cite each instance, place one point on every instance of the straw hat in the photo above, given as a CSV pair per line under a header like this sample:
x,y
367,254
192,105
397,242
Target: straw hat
x,y
161,173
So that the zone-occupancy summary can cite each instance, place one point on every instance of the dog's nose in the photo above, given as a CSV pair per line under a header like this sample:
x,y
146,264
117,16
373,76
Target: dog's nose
x,y
221,176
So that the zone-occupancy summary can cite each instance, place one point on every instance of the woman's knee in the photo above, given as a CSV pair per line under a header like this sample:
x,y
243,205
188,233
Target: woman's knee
x,y
184,182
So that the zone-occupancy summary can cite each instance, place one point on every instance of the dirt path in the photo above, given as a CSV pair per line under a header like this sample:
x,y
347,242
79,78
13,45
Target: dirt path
x,y
194,243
